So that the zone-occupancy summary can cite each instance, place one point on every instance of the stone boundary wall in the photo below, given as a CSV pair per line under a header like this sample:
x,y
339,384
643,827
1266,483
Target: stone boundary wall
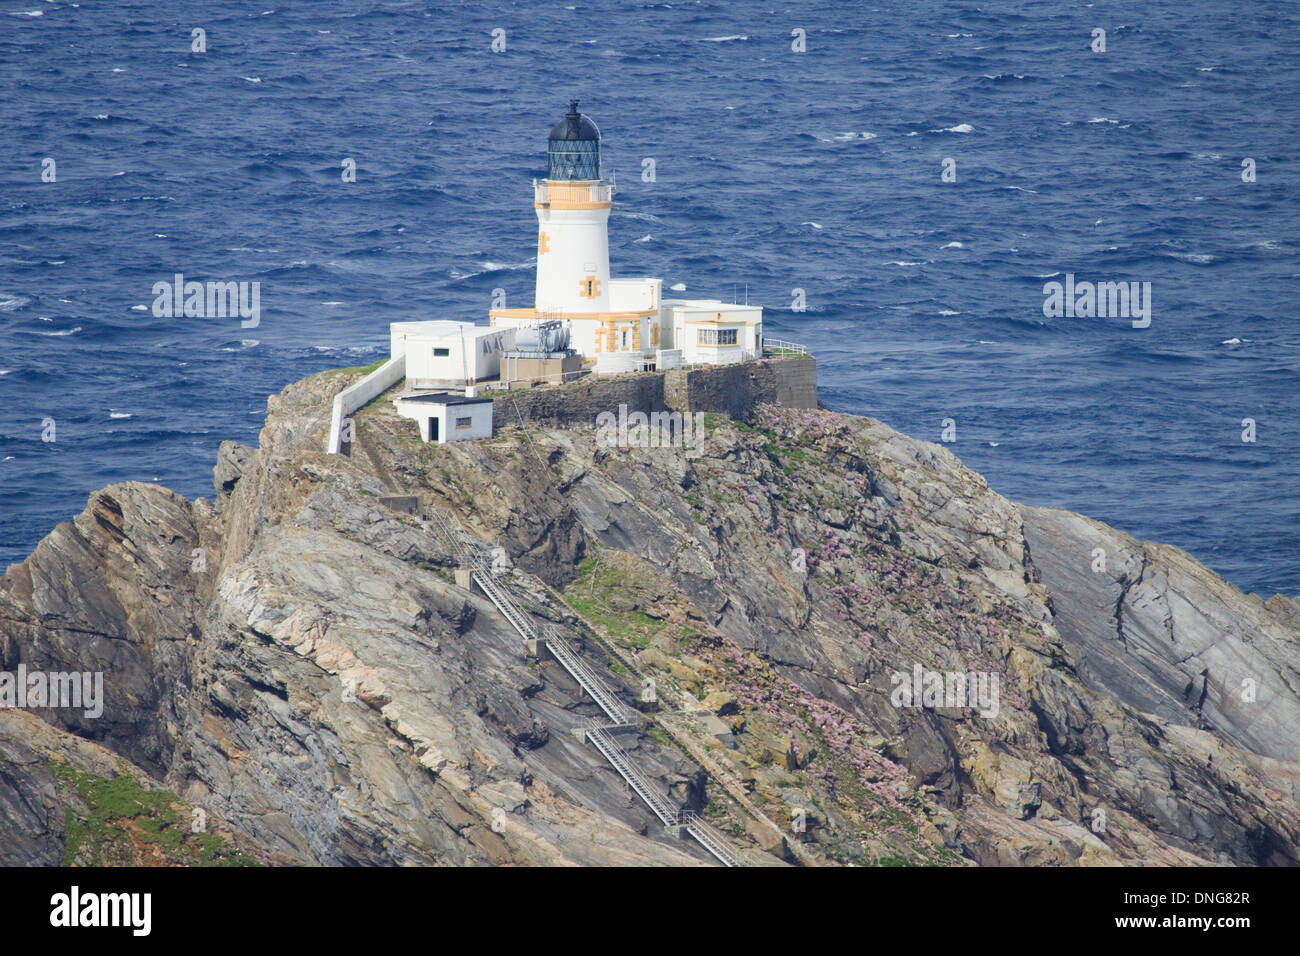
x,y
734,390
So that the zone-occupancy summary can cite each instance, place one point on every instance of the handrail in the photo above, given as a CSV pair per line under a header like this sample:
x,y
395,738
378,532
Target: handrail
x,y
618,716
605,699
780,345
643,788
560,649
708,837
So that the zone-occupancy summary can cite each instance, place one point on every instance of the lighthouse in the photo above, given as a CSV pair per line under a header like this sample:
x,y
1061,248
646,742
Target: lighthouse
x,y
572,206
583,321
616,325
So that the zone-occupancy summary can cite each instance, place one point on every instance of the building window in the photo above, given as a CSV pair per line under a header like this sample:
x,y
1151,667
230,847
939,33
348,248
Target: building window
x,y
716,337
440,353
466,422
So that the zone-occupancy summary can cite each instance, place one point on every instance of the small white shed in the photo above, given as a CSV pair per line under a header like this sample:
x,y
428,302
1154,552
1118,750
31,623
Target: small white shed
x,y
447,416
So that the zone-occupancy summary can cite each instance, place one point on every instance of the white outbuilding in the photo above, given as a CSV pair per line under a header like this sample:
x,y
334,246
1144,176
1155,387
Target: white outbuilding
x,y
447,416
443,353
709,332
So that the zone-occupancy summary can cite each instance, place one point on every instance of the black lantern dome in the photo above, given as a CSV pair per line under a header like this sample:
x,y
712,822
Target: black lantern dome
x,y
574,147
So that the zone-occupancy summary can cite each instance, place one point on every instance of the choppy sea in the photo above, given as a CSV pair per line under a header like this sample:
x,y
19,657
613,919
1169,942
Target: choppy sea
x,y
774,171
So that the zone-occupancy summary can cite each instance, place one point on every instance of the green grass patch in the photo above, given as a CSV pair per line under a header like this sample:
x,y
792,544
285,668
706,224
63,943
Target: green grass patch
x,y
125,824
363,369
590,595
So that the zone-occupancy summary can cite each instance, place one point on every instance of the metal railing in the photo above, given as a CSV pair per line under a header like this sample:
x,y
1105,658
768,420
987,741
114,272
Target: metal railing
x,y
604,742
778,346
464,547
618,717
708,837
546,192
507,607
694,825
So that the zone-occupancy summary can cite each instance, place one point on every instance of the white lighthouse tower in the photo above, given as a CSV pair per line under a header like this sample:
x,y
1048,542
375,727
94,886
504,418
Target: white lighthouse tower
x,y
572,206
616,325
612,322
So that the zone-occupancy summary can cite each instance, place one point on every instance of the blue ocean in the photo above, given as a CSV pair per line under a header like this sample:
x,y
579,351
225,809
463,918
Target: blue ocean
x,y
799,159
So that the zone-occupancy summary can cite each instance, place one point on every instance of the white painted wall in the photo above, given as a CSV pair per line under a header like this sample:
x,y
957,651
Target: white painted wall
x,y
635,295
479,416
615,363
473,351
682,320
666,359
577,246
360,393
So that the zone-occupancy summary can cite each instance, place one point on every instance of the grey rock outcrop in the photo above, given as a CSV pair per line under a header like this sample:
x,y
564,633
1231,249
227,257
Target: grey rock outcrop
x,y
232,459
296,658
1164,635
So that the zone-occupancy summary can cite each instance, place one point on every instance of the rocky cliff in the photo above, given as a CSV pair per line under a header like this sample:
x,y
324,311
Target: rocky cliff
x,y
295,659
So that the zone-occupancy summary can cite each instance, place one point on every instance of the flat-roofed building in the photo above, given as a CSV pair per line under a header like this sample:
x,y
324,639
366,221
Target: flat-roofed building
x,y
710,332
447,416
441,353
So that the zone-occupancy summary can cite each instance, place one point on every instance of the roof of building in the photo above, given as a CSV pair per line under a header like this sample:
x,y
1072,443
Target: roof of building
x,y
711,305
443,398
441,327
